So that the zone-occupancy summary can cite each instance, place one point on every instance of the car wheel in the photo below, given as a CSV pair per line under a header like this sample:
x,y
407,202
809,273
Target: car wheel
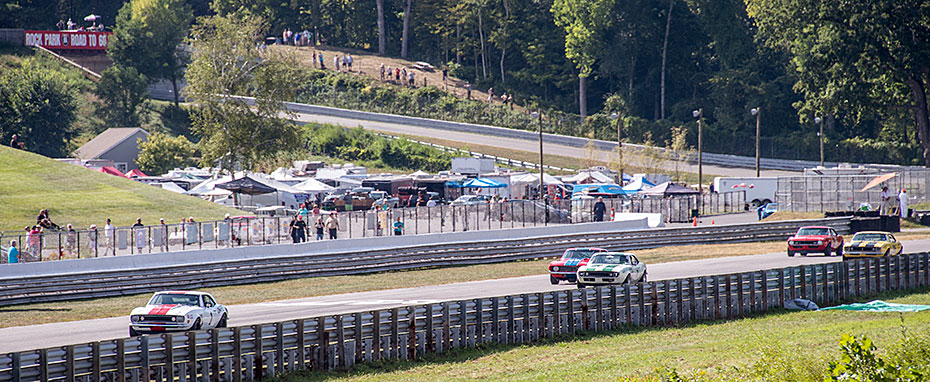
x,y
887,253
828,251
580,285
222,323
626,280
839,251
197,325
643,279
790,254
553,280
133,333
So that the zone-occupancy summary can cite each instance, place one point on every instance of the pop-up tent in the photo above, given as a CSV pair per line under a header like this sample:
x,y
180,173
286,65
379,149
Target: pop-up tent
x,y
483,183
668,189
637,184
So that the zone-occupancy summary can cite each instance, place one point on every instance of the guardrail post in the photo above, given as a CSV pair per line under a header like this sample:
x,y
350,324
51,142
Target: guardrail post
x,y
495,319
804,283
429,328
570,297
120,356
765,290
168,340
192,354
395,333
237,355
16,367
341,340
375,334
214,355
692,300
463,324
655,303
259,362
716,286
479,321
868,275
412,333
740,309
628,304
446,326
43,364
69,362
642,304
614,316
887,273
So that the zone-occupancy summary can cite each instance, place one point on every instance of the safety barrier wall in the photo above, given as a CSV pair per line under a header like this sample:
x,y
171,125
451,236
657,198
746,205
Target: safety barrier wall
x,y
340,341
51,284
85,243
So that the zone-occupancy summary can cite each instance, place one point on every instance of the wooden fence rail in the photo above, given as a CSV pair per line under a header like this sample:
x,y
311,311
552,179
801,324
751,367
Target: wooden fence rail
x,y
328,342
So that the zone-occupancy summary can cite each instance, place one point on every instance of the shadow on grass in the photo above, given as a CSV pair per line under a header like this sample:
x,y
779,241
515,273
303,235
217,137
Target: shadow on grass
x,y
35,310
459,355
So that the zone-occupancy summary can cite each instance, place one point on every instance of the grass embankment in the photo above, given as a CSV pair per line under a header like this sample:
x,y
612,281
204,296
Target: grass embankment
x,y
83,197
320,286
778,346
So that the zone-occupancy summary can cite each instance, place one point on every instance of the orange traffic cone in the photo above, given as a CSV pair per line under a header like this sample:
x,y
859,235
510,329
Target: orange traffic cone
x,y
711,222
695,221
611,214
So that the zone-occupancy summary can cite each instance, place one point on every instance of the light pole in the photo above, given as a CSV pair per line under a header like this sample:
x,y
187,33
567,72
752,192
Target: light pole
x,y
757,111
538,118
819,121
619,145
699,114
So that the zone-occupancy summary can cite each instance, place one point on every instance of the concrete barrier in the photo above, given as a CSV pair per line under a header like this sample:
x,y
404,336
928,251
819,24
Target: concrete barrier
x,y
210,256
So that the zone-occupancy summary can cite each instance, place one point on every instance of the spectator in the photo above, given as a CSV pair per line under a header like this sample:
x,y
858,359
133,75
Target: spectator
x,y
445,74
109,232
17,143
313,61
301,229
322,66
431,202
468,90
412,82
345,63
61,24
34,242
71,240
599,209
902,204
398,227
490,95
333,225
138,234
70,24
886,201
336,62
294,228
13,253
319,228
382,71
349,60
316,209
303,211
92,239
397,74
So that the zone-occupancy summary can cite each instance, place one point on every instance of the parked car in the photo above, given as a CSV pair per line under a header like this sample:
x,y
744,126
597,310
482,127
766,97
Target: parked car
x,y
565,268
872,244
381,198
467,200
178,311
611,268
815,239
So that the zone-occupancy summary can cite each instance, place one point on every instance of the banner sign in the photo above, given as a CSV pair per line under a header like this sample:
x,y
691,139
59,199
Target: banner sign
x,y
68,39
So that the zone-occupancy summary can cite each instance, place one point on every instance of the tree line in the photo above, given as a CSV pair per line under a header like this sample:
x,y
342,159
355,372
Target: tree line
x,y
861,69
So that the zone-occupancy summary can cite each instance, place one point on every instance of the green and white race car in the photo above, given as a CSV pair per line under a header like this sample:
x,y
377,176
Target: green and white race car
x,y
611,268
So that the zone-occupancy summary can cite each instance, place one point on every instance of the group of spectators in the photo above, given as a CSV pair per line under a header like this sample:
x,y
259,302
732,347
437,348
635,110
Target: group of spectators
x,y
71,26
398,75
307,212
504,98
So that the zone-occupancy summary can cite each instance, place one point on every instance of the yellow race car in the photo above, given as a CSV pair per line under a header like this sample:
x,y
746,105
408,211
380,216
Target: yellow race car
x,y
872,244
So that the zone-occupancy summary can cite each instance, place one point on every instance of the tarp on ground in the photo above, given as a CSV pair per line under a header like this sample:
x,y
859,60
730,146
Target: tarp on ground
x,y
111,171
880,306
668,189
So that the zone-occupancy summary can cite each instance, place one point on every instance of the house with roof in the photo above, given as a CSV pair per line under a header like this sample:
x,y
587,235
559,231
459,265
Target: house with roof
x,y
120,145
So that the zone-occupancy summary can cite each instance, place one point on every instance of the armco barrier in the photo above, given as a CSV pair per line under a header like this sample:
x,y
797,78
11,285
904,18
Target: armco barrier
x,y
132,275
340,341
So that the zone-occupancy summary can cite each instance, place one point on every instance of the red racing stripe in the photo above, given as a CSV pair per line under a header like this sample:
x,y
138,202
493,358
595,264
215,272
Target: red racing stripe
x,y
162,309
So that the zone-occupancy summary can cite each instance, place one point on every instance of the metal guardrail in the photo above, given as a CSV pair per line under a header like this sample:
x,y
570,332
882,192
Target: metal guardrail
x,y
19,290
340,341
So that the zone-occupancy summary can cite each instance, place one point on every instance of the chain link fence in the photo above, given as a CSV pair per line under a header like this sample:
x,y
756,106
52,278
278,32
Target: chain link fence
x,y
844,192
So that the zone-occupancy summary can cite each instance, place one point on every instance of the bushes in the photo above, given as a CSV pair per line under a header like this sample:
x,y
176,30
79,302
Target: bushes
x,y
363,147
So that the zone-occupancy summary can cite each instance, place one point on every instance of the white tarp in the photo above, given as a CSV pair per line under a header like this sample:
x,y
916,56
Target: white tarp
x,y
548,180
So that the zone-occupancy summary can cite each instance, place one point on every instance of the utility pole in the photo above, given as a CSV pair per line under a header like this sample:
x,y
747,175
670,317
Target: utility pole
x,y
758,113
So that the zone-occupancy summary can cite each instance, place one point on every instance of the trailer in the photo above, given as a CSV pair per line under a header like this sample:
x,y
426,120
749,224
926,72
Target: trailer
x,y
759,191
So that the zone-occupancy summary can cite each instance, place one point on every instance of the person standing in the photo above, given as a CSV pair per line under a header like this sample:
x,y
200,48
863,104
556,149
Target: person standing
x,y
599,209
294,229
332,225
13,253
71,240
92,239
468,90
138,233
382,72
445,74
109,231
902,204
336,62
319,228
322,66
349,60
398,227
886,201
301,229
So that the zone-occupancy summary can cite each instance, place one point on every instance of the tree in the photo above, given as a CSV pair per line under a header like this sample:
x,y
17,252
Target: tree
x,y
161,153
227,63
148,36
404,38
382,45
678,149
123,93
854,59
584,22
38,104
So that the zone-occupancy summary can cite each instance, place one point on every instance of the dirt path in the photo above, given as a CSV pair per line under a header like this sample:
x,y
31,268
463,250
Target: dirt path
x,y
369,64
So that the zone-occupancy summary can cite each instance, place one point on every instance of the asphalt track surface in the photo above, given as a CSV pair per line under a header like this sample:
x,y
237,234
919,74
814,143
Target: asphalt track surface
x,y
58,334
519,144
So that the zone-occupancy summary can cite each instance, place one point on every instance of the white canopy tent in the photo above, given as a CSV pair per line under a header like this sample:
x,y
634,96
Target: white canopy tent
x,y
314,186
586,177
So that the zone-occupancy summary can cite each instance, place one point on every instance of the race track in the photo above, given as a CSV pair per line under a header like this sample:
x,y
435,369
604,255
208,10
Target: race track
x,y
59,334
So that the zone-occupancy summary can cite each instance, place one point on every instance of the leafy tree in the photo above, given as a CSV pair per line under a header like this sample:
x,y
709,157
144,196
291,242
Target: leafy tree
x,y
584,22
148,35
39,105
226,63
854,59
161,153
124,93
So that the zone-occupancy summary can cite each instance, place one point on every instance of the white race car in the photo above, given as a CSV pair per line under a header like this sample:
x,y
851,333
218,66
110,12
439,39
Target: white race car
x,y
177,311
611,268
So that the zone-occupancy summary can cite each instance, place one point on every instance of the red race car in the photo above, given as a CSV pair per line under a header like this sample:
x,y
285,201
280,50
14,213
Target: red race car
x,y
815,239
565,268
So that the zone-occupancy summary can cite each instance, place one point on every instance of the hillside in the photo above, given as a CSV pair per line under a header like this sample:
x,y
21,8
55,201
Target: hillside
x,y
83,197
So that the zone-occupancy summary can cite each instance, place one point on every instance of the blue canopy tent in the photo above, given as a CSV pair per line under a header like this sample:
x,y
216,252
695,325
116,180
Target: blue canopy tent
x,y
638,184
580,191
483,183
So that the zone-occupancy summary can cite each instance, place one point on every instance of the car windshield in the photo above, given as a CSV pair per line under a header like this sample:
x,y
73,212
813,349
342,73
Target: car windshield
x,y
578,254
175,299
812,231
869,237
611,259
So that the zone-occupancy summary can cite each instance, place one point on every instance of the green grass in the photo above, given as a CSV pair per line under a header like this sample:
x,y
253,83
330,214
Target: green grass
x,y
779,346
30,182
320,286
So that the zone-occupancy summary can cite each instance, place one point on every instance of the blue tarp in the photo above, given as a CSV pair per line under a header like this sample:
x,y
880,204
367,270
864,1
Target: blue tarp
x,y
598,190
483,183
880,306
